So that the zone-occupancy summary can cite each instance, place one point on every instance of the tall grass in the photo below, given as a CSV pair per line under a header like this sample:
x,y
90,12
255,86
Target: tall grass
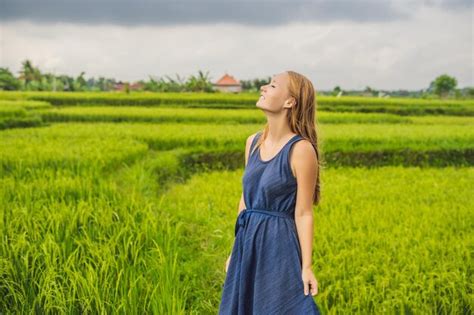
x,y
78,239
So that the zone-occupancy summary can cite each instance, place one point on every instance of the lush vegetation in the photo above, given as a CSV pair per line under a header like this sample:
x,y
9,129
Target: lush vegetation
x,y
114,203
32,78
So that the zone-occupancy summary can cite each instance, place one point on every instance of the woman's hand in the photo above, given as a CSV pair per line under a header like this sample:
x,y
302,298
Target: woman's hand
x,y
309,281
227,263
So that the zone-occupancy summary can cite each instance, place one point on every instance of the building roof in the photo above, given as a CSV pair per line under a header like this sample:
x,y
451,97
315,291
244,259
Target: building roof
x,y
227,80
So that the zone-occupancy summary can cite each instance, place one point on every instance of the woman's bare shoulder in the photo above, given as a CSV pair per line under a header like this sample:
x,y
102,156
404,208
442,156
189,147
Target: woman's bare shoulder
x,y
251,137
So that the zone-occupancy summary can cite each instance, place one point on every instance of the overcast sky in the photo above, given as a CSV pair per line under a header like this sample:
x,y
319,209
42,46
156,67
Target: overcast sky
x,y
383,44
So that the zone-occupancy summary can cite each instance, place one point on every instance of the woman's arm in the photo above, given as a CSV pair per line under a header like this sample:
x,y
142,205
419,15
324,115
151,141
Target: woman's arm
x,y
304,163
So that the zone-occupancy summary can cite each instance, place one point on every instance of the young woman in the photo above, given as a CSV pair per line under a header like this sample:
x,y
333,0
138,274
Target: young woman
x,y
270,268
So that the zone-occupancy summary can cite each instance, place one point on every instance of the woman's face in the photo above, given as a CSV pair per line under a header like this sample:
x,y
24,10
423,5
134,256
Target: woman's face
x,y
274,96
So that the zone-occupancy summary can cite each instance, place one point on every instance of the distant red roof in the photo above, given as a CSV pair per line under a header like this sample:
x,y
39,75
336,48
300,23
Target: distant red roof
x,y
227,80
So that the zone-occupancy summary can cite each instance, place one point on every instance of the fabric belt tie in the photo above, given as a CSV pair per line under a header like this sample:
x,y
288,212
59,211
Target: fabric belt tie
x,y
243,215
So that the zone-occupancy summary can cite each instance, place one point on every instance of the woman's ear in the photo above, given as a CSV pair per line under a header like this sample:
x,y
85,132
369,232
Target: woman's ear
x,y
292,102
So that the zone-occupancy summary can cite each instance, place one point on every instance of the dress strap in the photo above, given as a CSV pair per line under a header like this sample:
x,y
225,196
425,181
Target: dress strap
x,y
254,141
290,144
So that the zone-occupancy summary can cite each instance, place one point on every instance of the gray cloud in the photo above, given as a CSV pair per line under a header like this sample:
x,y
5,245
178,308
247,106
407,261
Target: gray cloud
x,y
147,12
428,39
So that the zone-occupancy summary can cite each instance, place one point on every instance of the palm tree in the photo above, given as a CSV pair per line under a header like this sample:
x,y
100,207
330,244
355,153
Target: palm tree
x,y
80,83
28,73
200,83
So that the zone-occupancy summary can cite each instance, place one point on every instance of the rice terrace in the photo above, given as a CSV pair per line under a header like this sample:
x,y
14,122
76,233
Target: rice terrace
x,y
126,202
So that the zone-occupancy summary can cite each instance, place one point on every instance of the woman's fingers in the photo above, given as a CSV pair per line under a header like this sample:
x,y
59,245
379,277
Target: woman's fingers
x,y
310,286
314,287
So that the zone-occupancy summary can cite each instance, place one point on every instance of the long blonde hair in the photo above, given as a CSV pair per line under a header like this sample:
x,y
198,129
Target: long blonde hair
x,y
302,120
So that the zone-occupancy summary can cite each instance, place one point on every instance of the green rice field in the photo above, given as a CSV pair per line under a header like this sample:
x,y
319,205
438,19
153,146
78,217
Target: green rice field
x,y
126,204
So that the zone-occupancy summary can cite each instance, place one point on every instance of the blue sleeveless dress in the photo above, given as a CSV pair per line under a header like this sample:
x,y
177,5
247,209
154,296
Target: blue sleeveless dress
x,y
264,272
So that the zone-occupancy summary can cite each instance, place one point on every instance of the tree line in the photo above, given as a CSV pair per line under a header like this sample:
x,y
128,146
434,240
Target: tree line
x,y
31,78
